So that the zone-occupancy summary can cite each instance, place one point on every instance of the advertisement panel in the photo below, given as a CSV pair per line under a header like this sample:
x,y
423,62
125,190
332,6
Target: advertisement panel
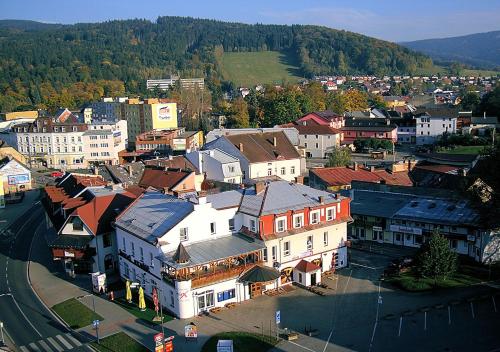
x,y
158,338
164,115
406,229
18,179
191,331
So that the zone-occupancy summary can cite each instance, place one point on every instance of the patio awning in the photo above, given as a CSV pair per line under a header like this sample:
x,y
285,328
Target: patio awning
x,y
260,274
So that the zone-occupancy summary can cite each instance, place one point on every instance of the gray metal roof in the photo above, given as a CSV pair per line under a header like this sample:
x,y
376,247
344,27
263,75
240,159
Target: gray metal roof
x,y
281,196
379,204
205,252
153,215
228,199
439,211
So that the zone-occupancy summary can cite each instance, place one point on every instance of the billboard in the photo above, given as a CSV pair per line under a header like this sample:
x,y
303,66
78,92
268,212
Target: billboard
x,y
164,115
18,179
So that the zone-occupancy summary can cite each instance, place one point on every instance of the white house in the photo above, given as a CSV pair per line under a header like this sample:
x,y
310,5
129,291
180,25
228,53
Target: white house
x,y
217,165
261,155
318,140
103,141
429,128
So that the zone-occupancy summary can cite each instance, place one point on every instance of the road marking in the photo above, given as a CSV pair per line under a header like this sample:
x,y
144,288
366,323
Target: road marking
x,y
328,340
5,294
304,347
72,339
400,325
64,342
45,346
472,310
25,317
24,349
379,302
449,315
367,267
55,344
34,347
425,320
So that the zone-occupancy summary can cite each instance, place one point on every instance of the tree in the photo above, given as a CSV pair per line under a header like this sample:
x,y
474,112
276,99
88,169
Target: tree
x,y
355,100
239,114
340,156
436,260
470,101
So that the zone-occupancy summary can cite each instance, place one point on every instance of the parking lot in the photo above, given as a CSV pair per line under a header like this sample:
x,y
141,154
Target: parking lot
x,y
360,313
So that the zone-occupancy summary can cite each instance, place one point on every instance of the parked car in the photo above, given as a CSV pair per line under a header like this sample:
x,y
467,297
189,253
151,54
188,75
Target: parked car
x,y
56,174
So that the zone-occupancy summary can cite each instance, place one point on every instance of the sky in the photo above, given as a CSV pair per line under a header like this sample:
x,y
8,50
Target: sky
x,y
401,20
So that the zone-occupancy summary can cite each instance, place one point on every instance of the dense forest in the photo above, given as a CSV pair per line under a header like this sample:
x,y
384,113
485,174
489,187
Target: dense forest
x,y
67,65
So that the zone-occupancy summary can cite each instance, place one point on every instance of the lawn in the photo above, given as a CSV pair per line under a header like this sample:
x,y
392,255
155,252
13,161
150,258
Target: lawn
x,y
242,342
75,314
117,343
146,315
465,149
409,281
252,68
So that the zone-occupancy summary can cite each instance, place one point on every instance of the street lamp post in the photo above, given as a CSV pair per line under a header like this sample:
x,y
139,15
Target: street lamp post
x,y
96,321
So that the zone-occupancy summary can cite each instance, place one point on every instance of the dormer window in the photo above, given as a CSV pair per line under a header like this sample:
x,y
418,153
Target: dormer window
x,y
77,224
315,217
281,224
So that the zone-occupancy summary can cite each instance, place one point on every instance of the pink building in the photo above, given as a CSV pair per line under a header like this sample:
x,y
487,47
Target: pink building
x,y
364,128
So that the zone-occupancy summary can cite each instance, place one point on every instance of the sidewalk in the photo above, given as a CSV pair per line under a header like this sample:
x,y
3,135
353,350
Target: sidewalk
x,y
52,286
12,211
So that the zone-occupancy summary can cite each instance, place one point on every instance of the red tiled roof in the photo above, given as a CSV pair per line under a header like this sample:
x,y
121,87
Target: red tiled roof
x,y
341,176
438,168
259,147
160,179
306,267
102,210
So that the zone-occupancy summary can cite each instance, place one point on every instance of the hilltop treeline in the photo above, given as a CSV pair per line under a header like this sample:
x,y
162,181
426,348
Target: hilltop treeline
x,y
40,64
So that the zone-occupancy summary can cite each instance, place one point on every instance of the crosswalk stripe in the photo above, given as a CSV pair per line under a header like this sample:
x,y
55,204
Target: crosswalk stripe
x,y
24,349
45,346
64,342
72,339
55,344
34,347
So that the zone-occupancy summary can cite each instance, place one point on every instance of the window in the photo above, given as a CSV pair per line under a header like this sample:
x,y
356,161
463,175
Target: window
x,y
281,225
309,243
398,237
124,244
231,168
274,253
141,251
305,145
172,300
325,238
300,277
330,214
292,170
205,300
231,224
77,224
264,254
298,220
453,244
151,259
133,249
283,171
212,228
315,217
184,234
269,172
317,145
252,225
225,295
286,248
106,240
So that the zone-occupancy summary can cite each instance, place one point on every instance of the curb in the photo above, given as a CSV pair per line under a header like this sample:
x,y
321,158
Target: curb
x,y
54,314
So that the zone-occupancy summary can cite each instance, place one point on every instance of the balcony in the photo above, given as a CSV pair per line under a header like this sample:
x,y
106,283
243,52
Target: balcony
x,y
212,275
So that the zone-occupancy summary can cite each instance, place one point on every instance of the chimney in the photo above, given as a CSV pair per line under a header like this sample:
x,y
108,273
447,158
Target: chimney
x,y
241,147
299,180
355,166
259,187
372,168
321,199
388,121
274,141
170,157
462,172
96,171
129,170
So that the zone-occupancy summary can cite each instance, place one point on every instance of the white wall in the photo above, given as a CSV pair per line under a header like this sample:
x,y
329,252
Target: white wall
x,y
429,128
261,169
325,144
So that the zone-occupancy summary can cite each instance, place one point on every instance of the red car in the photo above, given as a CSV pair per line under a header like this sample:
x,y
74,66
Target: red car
x,y
57,174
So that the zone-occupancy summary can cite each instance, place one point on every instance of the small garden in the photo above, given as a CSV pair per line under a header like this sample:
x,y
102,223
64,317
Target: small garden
x,y
117,343
462,144
242,342
75,313
436,266
147,315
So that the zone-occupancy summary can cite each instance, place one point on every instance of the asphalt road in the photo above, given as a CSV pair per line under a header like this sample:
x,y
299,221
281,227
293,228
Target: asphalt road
x,y
29,324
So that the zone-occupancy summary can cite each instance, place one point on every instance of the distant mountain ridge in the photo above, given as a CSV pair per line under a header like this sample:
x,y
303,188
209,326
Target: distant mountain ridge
x,y
480,49
27,25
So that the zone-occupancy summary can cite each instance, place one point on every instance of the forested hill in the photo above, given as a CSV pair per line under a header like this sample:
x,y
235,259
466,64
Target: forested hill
x,y
480,49
40,61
